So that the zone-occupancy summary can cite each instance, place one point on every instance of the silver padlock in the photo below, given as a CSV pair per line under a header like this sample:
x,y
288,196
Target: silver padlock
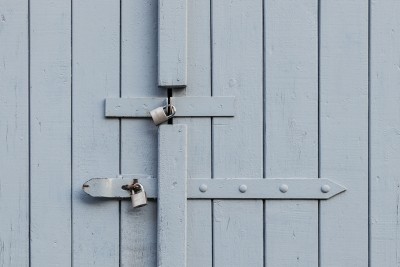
x,y
138,196
159,114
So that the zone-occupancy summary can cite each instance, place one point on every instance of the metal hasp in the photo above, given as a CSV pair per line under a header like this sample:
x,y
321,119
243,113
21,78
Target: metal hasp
x,y
226,188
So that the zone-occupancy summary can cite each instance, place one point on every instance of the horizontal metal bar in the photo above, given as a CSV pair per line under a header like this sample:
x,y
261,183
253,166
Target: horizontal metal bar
x,y
218,106
229,188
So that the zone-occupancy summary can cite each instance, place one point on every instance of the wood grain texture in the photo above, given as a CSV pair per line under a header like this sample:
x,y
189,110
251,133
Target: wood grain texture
x,y
238,142
344,131
172,43
96,28
50,116
192,106
172,198
199,221
14,133
291,127
385,133
139,152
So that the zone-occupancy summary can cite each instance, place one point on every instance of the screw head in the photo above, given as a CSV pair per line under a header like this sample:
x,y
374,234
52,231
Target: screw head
x,y
203,188
283,188
325,188
243,188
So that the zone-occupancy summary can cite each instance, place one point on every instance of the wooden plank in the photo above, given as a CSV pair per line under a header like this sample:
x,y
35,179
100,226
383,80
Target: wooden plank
x,y
204,106
291,127
344,131
50,116
95,139
199,221
198,106
139,153
238,142
172,33
385,133
14,138
172,208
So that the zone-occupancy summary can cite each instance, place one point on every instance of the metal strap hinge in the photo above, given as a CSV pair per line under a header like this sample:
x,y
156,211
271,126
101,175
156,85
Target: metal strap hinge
x,y
223,188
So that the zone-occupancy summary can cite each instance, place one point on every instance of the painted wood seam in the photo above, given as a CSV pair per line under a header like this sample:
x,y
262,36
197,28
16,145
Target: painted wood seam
x,y
139,137
237,66
199,216
344,131
95,72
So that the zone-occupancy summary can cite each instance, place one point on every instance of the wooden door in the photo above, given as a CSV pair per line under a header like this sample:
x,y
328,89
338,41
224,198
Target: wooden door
x,y
316,96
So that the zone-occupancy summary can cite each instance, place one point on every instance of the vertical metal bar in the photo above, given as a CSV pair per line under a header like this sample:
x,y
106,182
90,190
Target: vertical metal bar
x,y
172,196
172,31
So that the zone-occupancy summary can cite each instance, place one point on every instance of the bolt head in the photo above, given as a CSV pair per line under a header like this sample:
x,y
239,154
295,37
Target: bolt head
x,y
283,188
203,188
325,188
243,188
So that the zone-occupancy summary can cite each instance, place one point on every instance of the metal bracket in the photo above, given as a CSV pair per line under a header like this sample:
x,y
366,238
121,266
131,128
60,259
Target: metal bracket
x,y
223,188
217,106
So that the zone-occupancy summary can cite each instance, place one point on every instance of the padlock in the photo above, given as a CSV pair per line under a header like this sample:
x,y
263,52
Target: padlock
x,y
138,196
159,114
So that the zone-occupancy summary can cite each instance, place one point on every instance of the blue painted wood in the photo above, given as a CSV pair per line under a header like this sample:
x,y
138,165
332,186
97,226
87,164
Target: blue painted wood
x,y
344,131
199,221
172,198
139,153
95,58
237,66
172,43
234,42
195,106
384,133
14,138
50,116
291,127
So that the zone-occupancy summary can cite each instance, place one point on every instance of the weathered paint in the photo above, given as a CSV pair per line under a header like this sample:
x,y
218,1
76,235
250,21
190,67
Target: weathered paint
x,y
291,127
344,131
139,136
95,141
299,73
385,133
172,43
14,133
50,136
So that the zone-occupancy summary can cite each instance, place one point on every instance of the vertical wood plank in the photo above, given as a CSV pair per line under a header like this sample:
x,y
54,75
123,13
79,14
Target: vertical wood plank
x,y
199,228
50,118
291,118
385,133
172,198
96,28
344,131
238,142
50,133
172,31
14,138
139,152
